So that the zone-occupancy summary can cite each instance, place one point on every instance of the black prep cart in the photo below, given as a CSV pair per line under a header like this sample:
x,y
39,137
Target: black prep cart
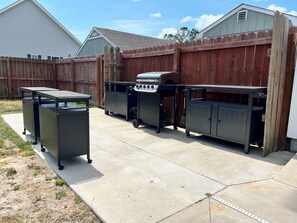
x,y
237,122
64,127
30,109
120,98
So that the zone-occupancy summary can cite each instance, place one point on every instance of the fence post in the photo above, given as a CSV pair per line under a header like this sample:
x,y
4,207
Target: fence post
x,y
55,78
117,64
111,64
100,84
276,82
72,67
9,78
291,59
176,61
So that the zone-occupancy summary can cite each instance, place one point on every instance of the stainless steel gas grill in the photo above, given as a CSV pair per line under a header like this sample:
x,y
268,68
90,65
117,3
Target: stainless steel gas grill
x,y
156,99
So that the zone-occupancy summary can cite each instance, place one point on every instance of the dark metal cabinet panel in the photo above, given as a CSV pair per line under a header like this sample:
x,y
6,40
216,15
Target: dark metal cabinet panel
x,y
231,123
121,104
73,134
119,98
30,114
48,129
199,117
110,101
150,108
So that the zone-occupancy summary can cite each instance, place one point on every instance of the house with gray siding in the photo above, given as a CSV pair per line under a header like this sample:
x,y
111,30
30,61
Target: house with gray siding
x,y
28,30
243,19
100,37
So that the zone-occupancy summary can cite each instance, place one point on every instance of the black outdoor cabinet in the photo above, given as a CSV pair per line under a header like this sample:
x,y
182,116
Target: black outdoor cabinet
x,y
64,127
30,109
151,110
120,98
236,122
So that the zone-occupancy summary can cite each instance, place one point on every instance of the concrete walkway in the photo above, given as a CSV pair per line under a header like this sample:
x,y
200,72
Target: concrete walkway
x,y
140,176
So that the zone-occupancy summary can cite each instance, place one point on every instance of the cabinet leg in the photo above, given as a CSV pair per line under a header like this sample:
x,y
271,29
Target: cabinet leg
x,y
35,140
187,133
246,148
158,129
89,158
61,167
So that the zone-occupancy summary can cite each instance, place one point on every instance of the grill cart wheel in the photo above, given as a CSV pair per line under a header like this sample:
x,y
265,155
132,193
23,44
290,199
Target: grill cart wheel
x,y
42,148
61,167
135,123
188,133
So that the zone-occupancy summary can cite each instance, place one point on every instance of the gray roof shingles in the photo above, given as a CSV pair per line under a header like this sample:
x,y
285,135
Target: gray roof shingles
x,y
129,41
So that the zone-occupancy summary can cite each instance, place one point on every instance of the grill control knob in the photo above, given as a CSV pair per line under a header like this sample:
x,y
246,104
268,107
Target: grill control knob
x,y
140,86
152,87
148,87
143,86
137,86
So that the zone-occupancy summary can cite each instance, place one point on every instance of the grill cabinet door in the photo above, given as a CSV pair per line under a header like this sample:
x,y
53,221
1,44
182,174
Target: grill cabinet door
x,y
232,122
198,117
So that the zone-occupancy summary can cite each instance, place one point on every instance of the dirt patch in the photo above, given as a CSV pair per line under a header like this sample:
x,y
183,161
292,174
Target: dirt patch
x,y
28,193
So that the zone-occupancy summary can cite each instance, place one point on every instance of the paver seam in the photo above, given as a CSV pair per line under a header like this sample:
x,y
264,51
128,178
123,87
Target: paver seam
x,y
289,185
248,182
159,221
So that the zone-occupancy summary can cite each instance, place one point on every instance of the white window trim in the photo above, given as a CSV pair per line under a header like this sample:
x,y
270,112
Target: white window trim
x,y
246,15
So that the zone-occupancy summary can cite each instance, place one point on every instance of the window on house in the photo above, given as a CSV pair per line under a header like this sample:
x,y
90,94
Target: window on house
x,y
55,58
241,16
34,56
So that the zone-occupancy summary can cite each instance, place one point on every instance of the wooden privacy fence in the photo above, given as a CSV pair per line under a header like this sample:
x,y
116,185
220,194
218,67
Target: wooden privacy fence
x,y
232,60
19,72
82,75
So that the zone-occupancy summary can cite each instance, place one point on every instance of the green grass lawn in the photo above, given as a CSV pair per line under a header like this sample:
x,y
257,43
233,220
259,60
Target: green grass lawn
x,y
10,142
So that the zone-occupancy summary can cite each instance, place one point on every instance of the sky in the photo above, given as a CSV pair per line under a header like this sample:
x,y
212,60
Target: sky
x,y
146,17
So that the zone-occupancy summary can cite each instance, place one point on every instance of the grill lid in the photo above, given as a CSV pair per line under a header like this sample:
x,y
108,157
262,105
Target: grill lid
x,y
150,81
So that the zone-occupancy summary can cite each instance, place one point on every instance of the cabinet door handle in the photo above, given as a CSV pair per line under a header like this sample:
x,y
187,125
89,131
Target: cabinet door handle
x,y
209,119
219,120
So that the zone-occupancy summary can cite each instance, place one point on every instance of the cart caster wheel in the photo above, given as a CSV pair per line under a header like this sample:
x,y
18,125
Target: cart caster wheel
x,y
175,127
43,150
34,143
246,152
187,133
135,123
158,131
24,132
90,161
61,167
106,112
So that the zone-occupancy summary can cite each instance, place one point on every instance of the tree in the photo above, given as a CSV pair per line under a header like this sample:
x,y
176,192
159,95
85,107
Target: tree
x,y
183,35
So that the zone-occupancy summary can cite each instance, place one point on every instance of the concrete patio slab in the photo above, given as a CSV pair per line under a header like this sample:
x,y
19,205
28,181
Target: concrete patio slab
x,y
288,174
140,176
